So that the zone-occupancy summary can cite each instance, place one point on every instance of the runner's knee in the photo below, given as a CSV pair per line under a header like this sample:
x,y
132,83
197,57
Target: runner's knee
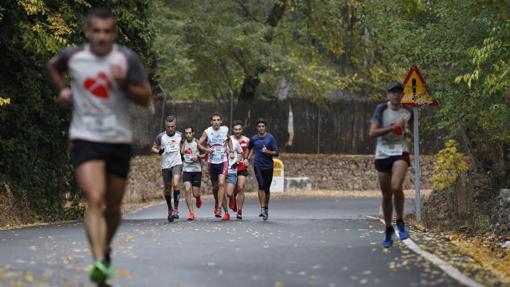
x,y
396,187
95,198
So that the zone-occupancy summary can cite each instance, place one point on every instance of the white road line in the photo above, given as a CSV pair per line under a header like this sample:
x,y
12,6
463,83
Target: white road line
x,y
447,268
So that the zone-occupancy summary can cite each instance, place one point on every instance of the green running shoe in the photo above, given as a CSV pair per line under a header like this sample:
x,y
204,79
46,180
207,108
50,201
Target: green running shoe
x,y
100,272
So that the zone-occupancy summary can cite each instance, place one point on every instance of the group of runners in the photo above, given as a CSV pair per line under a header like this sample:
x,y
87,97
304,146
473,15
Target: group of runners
x,y
228,157
105,76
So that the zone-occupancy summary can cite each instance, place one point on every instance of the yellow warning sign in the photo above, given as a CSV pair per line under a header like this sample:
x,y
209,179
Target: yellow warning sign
x,y
416,92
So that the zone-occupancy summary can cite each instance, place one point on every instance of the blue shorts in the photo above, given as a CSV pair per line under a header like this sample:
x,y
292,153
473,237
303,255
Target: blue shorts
x,y
217,169
232,178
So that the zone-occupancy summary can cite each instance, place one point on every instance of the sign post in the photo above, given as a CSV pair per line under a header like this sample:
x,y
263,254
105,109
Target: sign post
x,y
416,95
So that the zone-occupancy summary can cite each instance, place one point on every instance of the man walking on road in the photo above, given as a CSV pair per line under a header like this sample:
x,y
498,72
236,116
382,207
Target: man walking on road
x,y
105,76
242,169
192,171
389,125
264,146
213,142
168,145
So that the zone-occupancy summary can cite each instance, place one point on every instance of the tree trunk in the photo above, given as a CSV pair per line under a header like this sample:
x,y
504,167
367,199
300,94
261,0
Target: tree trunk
x,y
252,81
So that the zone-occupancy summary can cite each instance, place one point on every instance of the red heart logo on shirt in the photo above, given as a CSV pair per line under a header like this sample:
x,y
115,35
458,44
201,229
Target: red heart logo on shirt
x,y
99,86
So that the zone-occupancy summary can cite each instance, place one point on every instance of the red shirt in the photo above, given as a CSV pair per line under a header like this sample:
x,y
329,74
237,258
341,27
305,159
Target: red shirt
x,y
244,145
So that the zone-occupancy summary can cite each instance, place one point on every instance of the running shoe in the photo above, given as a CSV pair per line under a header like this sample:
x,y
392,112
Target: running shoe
x,y
217,212
175,213
403,234
99,273
261,212
388,234
239,214
191,216
170,217
265,215
226,216
198,202
231,202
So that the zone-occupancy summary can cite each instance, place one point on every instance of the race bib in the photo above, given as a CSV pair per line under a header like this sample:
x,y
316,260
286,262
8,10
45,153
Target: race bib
x,y
392,149
187,158
171,148
218,150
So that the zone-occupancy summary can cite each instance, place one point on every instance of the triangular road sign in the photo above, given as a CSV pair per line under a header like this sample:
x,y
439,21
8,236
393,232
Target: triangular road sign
x,y
416,93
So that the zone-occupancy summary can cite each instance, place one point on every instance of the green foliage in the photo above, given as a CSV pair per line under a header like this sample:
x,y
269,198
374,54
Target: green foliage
x,y
462,48
210,49
449,164
34,161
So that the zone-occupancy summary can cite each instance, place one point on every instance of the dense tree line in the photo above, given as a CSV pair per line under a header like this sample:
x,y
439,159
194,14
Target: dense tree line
x,y
34,162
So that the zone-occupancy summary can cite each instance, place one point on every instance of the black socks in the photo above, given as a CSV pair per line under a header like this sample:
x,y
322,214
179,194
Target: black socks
x,y
177,196
168,198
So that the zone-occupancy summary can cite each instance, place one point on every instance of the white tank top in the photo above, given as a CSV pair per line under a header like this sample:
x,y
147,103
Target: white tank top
x,y
216,139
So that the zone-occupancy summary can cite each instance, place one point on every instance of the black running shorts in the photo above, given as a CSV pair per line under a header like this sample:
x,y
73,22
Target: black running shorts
x,y
194,177
386,165
243,172
116,156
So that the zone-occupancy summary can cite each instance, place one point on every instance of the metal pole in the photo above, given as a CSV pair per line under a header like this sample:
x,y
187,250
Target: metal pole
x,y
417,181
231,120
319,130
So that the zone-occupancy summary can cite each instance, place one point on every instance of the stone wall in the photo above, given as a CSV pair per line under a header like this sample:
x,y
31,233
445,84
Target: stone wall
x,y
330,172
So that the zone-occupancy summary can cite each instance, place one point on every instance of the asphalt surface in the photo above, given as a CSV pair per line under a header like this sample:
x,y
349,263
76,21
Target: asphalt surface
x,y
305,242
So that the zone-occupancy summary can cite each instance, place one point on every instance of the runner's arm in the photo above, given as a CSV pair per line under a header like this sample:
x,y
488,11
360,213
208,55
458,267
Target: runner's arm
x,y
246,153
376,131
201,143
182,147
156,146
56,71
57,76
140,94
250,154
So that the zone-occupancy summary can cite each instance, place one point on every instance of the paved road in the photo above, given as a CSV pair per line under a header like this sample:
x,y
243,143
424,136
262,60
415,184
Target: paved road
x,y
306,242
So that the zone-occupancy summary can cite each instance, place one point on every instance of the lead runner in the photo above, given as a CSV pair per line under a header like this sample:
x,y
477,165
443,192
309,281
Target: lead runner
x,y
105,76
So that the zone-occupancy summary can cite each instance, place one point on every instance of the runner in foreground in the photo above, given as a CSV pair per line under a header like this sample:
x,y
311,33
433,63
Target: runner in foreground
x,y
264,146
105,76
192,175
242,169
168,145
389,125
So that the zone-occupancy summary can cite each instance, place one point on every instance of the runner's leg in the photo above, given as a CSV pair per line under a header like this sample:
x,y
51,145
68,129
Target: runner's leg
x,y
167,189
387,197
221,191
115,189
188,195
268,179
241,184
196,183
176,187
399,172
91,177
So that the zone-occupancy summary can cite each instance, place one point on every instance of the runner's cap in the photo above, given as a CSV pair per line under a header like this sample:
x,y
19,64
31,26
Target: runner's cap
x,y
395,86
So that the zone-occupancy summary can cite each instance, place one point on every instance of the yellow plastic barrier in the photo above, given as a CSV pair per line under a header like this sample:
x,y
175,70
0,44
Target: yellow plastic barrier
x,y
278,183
